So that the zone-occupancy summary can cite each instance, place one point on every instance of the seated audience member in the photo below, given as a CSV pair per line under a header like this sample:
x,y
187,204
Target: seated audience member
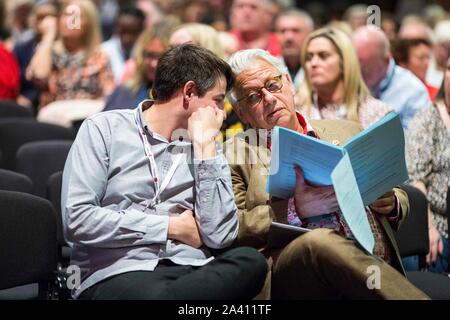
x,y
9,75
333,86
392,84
292,27
415,55
428,159
166,27
150,46
72,66
414,27
130,24
24,51
200,34
208,38
322,263
251,21
141,210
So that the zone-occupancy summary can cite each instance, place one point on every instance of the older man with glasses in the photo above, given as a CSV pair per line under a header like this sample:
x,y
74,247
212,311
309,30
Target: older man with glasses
x,y
323,263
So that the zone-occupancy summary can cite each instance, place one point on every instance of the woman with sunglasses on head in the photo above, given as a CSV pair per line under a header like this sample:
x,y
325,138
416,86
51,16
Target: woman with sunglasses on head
x,y
333,86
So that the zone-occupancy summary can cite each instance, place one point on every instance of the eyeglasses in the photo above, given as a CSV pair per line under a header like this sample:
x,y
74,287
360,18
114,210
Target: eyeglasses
x,y
150,55
273,85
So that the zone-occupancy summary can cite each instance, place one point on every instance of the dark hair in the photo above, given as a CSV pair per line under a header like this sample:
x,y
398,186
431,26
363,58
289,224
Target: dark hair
x,y
402,48
130,10
188,62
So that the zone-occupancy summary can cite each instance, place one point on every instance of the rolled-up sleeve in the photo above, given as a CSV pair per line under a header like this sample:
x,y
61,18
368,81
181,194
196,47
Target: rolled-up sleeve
x,y
85,180
215,208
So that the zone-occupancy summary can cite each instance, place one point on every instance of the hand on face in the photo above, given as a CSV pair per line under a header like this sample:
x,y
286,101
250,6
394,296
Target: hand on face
x,y
204,124
312,201
48,27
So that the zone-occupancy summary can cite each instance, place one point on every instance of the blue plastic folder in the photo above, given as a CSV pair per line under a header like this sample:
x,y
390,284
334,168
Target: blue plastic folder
x,y
367,166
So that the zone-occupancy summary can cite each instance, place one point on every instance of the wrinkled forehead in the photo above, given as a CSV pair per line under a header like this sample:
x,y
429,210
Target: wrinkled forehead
x,y
256,75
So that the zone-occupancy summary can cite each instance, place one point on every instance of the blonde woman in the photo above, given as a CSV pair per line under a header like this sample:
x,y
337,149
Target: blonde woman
x,y
70,65
200,34
333,86
150,46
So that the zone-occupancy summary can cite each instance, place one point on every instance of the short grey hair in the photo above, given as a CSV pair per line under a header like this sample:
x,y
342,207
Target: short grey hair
x,y
301,14
244,59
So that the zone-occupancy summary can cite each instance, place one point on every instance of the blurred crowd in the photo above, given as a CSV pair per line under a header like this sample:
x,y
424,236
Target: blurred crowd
x,y
67,60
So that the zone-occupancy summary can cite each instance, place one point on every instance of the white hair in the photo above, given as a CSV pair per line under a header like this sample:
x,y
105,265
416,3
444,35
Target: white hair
x,y
441,31
244,59
302,15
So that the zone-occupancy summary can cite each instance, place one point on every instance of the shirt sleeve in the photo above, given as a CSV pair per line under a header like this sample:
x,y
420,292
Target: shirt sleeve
x,y
215,208
85,180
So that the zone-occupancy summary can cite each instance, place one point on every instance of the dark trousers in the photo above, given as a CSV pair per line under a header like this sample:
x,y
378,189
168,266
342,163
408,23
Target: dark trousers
x,y
236,274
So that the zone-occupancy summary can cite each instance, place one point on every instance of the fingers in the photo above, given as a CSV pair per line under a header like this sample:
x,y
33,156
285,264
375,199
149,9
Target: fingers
x,y
385,204
299,175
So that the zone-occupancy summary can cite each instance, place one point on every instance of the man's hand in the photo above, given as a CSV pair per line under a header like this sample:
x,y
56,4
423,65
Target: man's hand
x,y
203,126
384,204
312,201
436,245
184,229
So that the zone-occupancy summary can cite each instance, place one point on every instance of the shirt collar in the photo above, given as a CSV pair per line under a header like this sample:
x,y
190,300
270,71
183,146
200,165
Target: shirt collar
x,y
146,104
307,128
389,75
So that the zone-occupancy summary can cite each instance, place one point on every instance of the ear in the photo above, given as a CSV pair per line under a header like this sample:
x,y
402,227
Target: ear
x,y
189,91
240,114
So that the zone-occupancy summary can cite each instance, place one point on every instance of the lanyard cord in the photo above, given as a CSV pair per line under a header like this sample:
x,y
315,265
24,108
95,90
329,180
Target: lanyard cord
x,y
153,167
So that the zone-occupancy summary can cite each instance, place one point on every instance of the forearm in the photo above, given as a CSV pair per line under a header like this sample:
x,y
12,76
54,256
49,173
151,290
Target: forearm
x,y
41,63
205,150
215,208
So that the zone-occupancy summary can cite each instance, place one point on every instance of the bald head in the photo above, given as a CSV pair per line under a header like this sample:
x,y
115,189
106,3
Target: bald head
x,y
373,49
414,28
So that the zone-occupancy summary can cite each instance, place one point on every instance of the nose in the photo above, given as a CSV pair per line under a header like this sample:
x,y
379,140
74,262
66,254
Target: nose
x,y
268,97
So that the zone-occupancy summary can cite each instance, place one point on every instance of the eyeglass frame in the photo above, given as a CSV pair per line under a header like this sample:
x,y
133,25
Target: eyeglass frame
x,y
278,79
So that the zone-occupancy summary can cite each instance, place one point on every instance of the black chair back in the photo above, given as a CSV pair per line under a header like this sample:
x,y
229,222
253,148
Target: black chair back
x,y
40,159
27,240
14,181
54,185
412,237
10,109
16,132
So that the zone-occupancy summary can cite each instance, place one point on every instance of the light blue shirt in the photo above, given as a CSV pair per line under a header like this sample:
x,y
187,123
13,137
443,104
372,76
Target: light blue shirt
x,y
403,92
107,183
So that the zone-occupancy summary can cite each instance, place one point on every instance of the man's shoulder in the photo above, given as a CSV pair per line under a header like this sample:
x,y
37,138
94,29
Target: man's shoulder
x,y
336,131
248,148
112,117
405,78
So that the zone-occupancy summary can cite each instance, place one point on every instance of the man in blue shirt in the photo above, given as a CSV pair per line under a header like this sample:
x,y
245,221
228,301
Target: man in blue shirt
x,y
392,84
147,193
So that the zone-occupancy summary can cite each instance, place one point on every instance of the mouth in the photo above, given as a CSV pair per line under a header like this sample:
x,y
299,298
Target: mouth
x,y
274,113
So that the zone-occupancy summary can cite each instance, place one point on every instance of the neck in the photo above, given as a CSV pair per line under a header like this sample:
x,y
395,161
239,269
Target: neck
x,y
163,122
254,39
333,94
293,63
72,46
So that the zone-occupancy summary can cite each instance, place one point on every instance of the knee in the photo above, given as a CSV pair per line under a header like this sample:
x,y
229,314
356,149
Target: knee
x,y
250,258
317,240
